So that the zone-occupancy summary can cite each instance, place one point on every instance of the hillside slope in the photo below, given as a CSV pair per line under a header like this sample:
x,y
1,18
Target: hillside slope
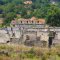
x,y
38,8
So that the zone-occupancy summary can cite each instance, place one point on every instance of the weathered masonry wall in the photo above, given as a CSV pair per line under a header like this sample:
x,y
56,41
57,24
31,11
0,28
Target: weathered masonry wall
x,y
35,35
29,35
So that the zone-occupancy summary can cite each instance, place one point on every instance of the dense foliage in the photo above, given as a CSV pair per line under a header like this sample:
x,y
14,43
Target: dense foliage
x,y
39,8
53,16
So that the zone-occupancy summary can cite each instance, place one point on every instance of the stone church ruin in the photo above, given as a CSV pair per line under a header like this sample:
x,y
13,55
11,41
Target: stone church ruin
x,y
33,33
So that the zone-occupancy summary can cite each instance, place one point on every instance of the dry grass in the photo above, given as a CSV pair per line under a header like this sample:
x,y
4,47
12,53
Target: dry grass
x,y
28,53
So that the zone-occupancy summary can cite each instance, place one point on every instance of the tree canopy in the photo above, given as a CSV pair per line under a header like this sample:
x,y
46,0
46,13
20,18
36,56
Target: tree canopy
x,y
38,8
53,16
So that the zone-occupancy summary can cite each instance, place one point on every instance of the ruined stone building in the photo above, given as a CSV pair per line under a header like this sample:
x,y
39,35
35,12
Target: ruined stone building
x,y
34,32
31,32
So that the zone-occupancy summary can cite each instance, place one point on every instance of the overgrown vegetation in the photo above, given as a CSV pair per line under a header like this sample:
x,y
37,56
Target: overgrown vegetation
x,y
16,52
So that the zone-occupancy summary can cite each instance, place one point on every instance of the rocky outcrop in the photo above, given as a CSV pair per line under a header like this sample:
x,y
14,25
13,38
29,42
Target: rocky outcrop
x,y
4,37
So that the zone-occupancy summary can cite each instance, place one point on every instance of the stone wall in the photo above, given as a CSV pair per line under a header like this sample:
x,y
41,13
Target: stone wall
x,y
36,36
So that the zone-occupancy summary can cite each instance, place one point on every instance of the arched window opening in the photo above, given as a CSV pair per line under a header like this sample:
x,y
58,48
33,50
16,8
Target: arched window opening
x,y
27,21
21,21
37,21
32,21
